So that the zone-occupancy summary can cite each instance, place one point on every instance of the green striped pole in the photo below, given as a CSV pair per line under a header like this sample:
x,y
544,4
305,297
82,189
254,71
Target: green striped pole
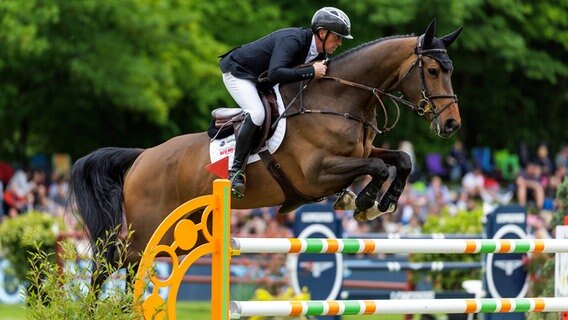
x,y
467,246
240,309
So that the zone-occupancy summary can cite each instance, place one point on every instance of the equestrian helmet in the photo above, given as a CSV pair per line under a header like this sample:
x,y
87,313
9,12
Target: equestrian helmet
x,y
334,20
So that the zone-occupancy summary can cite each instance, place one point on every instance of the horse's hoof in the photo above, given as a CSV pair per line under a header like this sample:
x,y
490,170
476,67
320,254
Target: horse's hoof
x,y
367,215
392,208
346,201
360,216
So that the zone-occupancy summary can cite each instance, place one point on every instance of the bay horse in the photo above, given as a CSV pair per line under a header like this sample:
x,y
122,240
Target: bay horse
x,y
328,143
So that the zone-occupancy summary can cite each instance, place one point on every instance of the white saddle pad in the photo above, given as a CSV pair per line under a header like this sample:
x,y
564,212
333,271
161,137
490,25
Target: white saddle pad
x,y
222,148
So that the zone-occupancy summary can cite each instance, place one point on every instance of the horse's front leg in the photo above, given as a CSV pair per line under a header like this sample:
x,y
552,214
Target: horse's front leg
x,y
347,169
403,164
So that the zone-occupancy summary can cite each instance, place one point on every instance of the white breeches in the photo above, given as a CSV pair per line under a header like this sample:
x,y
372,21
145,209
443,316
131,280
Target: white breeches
x,y
246,96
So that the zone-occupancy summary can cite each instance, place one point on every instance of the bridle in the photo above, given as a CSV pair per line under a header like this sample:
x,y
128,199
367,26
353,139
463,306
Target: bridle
x,y
425,106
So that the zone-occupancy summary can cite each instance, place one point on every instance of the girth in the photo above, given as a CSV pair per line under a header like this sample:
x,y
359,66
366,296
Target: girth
x,y
293,197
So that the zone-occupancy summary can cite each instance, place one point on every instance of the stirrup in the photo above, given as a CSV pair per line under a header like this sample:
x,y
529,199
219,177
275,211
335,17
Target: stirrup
x,y
238,184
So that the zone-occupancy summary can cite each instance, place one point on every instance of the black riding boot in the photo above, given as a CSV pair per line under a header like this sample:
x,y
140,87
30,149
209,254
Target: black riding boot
x,y
242,149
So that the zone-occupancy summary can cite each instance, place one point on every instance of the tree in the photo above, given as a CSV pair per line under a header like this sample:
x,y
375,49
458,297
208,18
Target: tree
x,y
76,74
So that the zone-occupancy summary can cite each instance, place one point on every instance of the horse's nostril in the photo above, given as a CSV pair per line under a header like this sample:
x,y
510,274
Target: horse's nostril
x,y
452,125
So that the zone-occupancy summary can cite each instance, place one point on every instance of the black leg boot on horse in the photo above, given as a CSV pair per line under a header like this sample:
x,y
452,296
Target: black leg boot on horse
x,y
243,147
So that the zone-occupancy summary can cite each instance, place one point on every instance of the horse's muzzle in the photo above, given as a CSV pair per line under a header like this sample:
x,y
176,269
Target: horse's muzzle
x,y
451,126
444,129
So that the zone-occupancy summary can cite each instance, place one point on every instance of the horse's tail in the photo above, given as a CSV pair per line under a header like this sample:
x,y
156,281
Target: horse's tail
x,y
96,191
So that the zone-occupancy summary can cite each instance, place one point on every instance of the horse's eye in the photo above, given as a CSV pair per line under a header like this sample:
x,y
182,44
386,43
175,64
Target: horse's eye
x,y
432,71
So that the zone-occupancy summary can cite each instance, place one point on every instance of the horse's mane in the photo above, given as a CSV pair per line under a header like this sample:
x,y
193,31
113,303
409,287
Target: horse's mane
x,y
367,44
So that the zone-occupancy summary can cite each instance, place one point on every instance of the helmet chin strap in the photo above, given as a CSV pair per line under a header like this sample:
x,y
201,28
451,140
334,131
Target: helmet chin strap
x,y
323,40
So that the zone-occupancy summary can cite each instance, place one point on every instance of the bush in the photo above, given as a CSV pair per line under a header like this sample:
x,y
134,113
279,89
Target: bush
x,y
464,222
69,293
23,236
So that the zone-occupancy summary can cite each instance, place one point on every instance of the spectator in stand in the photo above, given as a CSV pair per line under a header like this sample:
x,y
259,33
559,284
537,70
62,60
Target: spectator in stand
x,y
438,196
438,192
561,159
239,218
277,230
43,203
408,147
18,196
412,228
555,180
543,159
349,225
476,186
412,202
456,160
388,224
537,224
58,189
473,185
529,185
6,173
255,225
551,188
1,201
524,154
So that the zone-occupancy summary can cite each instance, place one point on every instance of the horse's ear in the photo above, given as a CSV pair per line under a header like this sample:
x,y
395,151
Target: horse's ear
x,y
449,38
429,34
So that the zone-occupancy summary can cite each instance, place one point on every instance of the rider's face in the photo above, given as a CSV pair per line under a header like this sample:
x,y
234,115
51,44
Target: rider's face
x,y
333,41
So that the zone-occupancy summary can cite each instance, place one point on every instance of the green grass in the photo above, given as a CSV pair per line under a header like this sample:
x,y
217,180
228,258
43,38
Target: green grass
x,y
185,310
12,311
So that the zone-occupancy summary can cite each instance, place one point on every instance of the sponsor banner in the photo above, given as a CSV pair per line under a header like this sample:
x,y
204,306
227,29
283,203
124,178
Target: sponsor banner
x,y
320,274
11,290
505,274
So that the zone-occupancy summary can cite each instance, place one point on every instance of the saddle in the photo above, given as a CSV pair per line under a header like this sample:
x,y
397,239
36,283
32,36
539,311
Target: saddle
x,y
227,121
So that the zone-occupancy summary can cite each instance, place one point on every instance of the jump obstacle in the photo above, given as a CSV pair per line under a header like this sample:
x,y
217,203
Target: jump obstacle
x,y
216,241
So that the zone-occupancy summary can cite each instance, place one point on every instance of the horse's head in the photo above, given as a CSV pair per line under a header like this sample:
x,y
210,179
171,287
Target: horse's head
x,y
427,81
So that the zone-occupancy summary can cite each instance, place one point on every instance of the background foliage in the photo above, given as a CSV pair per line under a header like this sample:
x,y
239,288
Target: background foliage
x,y
463,222
26,235
78,75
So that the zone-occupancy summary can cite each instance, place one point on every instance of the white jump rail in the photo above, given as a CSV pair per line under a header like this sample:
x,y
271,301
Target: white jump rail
x,y
456,246
240,309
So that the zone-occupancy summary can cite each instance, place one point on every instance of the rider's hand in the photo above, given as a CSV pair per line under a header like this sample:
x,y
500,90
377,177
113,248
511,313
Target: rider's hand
x,y
319,69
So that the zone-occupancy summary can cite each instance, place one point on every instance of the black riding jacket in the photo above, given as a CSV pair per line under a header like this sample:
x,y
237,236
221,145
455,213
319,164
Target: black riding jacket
x,y
278,52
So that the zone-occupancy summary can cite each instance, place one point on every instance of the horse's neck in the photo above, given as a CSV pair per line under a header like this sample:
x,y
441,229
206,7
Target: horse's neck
x,y
377,65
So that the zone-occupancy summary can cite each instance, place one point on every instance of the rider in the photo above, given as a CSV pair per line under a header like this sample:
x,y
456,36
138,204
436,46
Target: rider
x,y
278,53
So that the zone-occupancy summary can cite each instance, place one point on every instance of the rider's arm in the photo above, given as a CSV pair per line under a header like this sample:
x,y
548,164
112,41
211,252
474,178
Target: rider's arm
x,y
281,69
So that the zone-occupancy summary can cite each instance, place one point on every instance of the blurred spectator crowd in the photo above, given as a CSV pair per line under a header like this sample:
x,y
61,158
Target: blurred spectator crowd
x,y
23,191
